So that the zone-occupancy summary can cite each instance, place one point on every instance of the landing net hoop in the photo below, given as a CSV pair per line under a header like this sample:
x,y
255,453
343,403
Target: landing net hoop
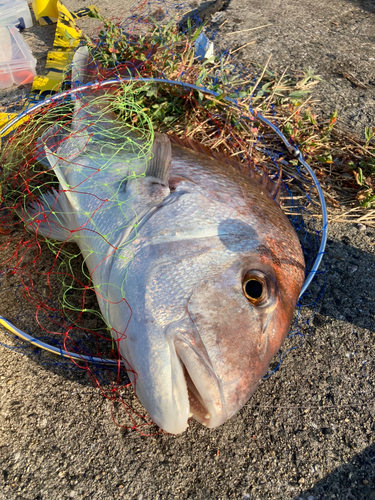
x,y
294,151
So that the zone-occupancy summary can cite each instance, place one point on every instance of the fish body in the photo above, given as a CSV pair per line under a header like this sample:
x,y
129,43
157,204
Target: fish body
x,y
196,268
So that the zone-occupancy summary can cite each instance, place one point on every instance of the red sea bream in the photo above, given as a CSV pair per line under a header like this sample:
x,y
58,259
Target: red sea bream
x,y
199,249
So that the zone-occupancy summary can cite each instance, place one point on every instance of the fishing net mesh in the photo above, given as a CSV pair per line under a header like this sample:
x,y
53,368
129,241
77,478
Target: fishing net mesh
x,y
46,289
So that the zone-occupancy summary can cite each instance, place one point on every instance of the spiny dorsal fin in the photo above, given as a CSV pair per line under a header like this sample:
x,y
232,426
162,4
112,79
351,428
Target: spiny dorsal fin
x,y
271,186
159,164
80,63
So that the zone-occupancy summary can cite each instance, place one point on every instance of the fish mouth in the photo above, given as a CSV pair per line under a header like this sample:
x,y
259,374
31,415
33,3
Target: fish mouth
x,y
205,396
197,408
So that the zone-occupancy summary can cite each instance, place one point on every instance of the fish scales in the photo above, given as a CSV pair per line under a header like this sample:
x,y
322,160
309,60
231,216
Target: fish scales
x,y
196,268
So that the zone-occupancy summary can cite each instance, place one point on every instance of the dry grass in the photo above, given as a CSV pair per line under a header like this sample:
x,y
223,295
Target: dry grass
x,y
344,164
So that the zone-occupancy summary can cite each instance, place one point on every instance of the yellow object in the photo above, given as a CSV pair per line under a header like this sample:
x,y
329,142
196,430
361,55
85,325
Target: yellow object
x,y
67,38
45,11
7,117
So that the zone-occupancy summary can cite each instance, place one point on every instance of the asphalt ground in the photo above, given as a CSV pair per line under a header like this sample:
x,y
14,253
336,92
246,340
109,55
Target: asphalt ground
x,y
308,432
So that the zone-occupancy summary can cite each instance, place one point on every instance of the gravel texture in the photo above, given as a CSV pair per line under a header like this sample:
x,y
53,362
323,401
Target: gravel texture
x,y
308,431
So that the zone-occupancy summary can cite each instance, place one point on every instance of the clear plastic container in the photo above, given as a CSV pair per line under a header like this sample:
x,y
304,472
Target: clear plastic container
x,y
17,65
15,12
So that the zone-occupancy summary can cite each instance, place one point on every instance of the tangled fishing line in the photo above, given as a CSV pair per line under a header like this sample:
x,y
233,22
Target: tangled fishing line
x,y
147,73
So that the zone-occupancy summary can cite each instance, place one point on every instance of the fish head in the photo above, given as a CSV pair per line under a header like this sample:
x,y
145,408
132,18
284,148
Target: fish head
x,y
213,313
238,321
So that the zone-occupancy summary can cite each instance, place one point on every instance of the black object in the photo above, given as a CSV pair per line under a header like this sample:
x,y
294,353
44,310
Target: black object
x,y
204,12
21,24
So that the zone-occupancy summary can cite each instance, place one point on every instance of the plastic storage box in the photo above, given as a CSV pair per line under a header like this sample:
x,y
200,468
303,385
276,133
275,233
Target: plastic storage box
x,y
15,12
17,65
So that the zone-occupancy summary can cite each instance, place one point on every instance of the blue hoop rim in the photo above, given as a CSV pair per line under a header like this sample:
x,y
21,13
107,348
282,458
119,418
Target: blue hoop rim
x,y
292,150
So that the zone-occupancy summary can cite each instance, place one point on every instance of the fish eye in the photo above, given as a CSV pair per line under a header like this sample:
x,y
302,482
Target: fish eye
x,y
254,287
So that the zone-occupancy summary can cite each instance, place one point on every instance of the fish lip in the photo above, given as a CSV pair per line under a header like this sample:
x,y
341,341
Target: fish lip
x,y
195,400
210,411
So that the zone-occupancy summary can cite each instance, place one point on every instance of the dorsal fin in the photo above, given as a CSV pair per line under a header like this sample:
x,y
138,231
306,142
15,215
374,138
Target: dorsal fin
x,y
271,186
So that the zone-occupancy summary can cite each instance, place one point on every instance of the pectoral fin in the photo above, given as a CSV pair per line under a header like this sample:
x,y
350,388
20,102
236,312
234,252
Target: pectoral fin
x,y
152,188
158,165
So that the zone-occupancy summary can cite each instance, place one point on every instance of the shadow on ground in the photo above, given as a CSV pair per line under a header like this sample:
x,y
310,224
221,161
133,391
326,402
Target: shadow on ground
x,y
364,4
349,293
353,480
